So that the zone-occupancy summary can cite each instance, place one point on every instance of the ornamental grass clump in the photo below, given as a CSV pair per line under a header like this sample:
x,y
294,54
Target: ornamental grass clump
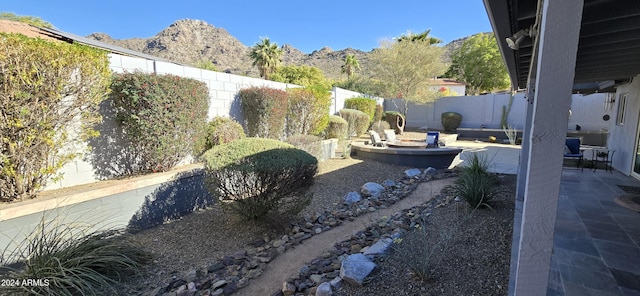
x,y
260,179
423,256
71,260
475,184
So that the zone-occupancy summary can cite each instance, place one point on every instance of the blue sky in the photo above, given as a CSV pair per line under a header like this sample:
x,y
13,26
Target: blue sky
x,y
307,25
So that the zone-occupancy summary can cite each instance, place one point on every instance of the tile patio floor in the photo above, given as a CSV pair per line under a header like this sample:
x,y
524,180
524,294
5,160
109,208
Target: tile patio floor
x,y
596,242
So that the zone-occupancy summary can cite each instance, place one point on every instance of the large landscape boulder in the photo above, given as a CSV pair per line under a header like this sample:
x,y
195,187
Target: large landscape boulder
x,y
356,268
372,189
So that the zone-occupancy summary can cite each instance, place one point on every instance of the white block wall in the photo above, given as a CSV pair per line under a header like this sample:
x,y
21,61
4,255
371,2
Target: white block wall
x,y
587,111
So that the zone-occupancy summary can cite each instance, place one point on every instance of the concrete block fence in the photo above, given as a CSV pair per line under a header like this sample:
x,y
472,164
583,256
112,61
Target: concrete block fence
x,y
587,111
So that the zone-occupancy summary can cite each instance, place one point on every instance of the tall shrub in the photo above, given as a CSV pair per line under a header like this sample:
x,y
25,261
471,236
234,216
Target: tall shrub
x,y
264,110
358,121
337,127
308,111
365,105
163,117
49,97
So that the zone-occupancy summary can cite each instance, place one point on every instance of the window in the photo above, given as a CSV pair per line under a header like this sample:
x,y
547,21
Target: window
x,y
622,104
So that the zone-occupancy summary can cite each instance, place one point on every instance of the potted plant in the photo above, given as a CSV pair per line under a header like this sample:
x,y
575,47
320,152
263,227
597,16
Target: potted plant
x,y
602,155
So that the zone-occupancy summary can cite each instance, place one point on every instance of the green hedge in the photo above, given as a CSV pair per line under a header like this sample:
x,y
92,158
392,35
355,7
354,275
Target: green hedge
x,y
164,117
50,94
365,105
308,111
358,121
264,178
264,110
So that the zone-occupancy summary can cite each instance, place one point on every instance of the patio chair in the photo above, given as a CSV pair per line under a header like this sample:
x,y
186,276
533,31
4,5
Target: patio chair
x,y
390,135
572,150
375,139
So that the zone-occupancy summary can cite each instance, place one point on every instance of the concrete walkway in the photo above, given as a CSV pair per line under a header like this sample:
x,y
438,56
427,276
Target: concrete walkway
x,y
504,158
287,265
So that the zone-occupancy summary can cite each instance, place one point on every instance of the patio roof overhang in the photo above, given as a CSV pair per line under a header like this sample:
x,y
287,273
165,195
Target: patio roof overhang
x,y
608,47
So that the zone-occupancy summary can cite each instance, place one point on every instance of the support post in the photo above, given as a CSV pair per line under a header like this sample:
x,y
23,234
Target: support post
x,y
559,30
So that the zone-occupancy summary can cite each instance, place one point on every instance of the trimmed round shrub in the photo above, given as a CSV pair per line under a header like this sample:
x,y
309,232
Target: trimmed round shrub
x,y
337,128
222,130
451,121
308,143
358,121
264,110
264,179
365,105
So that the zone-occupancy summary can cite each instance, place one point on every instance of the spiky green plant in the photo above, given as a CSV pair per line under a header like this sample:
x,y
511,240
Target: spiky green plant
x,y
68,260
475,184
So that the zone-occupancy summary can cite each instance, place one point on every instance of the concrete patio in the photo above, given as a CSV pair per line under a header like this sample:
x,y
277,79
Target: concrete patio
x,y
596,248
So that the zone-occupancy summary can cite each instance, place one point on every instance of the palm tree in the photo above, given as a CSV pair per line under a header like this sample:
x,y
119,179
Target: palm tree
x,y
350,65
267,56
422,37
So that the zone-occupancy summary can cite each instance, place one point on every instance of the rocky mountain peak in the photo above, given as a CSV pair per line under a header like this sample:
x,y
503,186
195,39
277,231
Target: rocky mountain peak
x,y
190,41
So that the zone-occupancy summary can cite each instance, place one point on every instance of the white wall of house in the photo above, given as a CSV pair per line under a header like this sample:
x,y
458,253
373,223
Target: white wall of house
x,y
622,137
223,90
587,111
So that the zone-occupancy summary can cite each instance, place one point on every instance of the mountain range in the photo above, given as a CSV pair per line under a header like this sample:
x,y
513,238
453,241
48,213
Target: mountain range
x,y
190,42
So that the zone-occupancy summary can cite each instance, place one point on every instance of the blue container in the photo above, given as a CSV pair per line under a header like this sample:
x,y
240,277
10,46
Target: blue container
x,y
432,139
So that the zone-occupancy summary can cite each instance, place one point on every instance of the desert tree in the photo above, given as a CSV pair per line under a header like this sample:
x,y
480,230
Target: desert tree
x,y
479,65
350,65
266,56
301,75
408,69
421,37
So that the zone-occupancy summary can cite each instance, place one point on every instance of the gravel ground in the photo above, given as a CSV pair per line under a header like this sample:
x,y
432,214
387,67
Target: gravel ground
x,y
200,238
474,261
459,252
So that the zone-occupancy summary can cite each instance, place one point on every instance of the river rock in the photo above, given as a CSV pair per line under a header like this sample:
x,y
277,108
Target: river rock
x,y
352,197
430,171
324,290
379,248
412,172
372,189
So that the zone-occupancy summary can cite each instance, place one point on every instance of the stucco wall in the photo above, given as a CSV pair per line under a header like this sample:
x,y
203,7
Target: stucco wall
x,y
623,137
487,110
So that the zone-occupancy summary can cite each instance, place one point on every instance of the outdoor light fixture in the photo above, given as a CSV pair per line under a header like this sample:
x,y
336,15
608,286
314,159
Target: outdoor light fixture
x,y
514,41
